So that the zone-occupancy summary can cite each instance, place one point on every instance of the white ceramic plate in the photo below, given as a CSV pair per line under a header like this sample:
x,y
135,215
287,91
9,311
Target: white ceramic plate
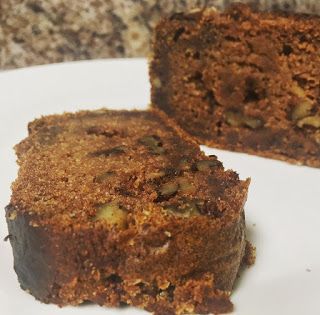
x,y
283,209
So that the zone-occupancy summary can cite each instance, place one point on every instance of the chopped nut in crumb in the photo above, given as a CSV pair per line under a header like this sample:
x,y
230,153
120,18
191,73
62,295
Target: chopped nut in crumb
x,y
155,175
112,214
187,209
156,82
240,120
169,188
12,215
301,110
298,91
153,143
206,165
312,121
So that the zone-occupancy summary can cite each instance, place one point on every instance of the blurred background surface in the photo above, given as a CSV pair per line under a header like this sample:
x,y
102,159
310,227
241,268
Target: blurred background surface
x,y
34,32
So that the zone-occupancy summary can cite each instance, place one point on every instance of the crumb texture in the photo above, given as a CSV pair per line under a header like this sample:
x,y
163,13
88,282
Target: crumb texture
x,y
119,207
242,80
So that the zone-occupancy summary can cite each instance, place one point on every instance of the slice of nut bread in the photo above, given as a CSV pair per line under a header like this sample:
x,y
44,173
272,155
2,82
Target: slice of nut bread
x,y
242,80
122,207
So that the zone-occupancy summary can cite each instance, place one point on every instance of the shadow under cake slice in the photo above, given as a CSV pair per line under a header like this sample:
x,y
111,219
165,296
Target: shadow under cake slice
x,y
121,207
242,80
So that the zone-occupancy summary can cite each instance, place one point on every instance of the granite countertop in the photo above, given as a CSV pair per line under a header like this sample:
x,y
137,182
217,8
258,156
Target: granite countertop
x,y
40,31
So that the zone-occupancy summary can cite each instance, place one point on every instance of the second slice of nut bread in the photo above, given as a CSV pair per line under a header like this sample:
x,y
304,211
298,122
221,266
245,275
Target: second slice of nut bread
x,y
242,80
121,207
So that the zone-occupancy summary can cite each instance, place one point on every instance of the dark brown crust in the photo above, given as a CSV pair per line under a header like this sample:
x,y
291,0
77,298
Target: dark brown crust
x,y
258,66
164,264
35,270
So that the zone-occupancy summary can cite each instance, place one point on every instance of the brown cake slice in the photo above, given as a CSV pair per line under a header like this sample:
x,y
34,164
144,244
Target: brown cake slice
x,y
242,80
120,207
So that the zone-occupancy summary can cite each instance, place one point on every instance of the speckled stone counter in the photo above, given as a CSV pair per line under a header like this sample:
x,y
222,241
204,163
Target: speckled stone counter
x,y
46,31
